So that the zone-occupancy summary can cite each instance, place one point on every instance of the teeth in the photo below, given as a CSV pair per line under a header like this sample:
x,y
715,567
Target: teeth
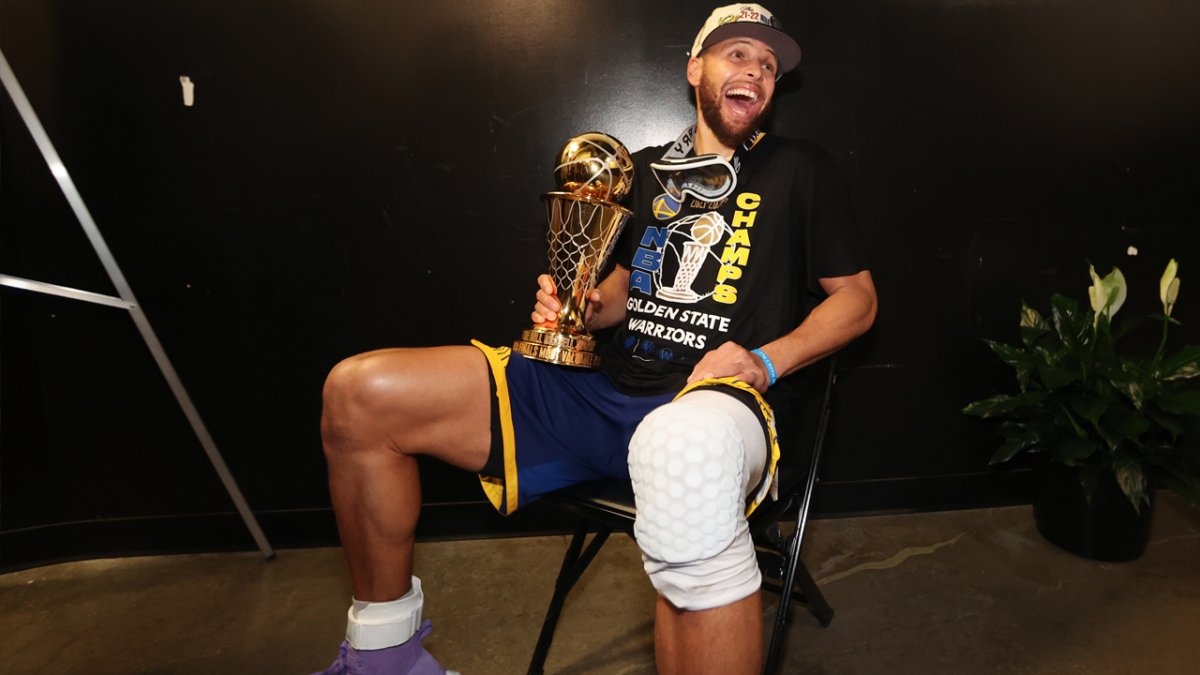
x,y
743,92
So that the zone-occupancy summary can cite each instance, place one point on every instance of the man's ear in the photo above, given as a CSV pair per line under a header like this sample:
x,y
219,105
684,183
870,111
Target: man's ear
x,y
693,71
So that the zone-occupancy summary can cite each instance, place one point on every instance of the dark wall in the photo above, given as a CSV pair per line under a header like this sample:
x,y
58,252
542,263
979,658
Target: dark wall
x,y
363,175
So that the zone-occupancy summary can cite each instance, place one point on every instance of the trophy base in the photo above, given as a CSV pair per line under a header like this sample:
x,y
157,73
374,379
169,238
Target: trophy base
x,y
558,348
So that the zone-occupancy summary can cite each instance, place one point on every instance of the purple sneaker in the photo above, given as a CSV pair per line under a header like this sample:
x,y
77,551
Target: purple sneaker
x,y
409,658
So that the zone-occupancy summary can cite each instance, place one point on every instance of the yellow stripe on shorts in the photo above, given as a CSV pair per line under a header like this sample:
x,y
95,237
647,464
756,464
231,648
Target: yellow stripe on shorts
x,y
502,493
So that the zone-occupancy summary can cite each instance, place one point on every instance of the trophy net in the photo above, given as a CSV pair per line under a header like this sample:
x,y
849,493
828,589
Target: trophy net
x,y
582,233
581,237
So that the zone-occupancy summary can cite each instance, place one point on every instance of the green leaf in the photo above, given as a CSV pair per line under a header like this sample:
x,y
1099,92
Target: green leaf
x,y
1001,404
1074,450
1185,484
1030,318
1018,437
1111,438
1172,425
1033,326
1066,413
1008,353
1128,324
1090,407
1180,401
1182,365
1023,361
1065,313
1051,352
1056,378
1132,480
1127,422
1129,382
1009,448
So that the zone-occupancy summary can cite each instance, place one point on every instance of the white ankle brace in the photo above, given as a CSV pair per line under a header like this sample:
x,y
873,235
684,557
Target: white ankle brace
x,y
379,625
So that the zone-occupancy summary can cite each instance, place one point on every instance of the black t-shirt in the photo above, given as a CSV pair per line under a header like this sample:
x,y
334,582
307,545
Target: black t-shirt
x,y
706,273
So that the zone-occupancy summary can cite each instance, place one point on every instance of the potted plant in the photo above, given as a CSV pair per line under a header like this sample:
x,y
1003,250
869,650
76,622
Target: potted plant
x,y
1110,421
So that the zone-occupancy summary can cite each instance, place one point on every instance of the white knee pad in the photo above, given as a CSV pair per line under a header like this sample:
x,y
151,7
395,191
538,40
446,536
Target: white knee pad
x,y
692,463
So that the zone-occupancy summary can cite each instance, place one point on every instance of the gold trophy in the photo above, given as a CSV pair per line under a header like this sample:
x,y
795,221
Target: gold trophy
x,y
593,170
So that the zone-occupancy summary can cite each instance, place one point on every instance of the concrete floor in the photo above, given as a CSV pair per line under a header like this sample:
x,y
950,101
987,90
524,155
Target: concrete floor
x,y
956,592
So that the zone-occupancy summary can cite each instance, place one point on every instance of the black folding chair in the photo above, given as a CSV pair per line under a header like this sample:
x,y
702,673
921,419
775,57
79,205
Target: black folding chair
x,y
607,506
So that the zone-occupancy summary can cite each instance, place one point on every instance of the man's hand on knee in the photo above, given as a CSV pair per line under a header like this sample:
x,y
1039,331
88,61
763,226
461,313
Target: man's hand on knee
x,y
732,360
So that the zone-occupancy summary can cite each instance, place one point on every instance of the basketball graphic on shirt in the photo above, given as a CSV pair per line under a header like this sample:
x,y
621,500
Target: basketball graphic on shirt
x,y
706,231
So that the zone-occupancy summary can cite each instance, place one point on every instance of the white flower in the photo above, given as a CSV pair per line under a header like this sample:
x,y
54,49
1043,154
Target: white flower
x,y
1168,287
1107,294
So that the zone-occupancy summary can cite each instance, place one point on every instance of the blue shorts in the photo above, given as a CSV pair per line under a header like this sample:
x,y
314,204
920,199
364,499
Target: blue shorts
x,y
554,426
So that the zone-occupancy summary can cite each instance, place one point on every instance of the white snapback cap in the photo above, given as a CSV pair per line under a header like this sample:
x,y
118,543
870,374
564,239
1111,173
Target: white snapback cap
x,y
752,21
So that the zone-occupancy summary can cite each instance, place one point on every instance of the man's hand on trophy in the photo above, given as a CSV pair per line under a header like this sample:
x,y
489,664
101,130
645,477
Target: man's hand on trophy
x,y
545,311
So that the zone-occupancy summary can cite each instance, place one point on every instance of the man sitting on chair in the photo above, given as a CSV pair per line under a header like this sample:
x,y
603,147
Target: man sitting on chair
x,y
732,228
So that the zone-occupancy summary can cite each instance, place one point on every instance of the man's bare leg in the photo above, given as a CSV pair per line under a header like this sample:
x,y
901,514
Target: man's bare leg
x,y
381,409
725,640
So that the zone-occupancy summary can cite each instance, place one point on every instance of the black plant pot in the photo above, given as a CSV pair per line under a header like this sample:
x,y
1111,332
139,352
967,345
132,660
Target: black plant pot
x,y
1107,529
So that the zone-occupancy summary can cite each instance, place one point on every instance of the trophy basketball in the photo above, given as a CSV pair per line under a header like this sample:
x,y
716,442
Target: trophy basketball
x,y
593,170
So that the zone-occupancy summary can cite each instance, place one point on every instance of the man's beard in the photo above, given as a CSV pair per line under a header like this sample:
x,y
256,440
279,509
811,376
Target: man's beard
x,y
710,110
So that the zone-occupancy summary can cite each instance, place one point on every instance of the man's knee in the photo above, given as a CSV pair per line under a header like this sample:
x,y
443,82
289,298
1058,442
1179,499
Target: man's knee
x,y
344,383
352,391
688,464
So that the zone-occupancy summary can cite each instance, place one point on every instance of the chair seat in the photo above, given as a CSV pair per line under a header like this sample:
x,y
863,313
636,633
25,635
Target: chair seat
x,y
610,501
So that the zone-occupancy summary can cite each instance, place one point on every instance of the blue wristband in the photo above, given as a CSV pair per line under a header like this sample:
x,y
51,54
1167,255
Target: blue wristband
x,y
766,362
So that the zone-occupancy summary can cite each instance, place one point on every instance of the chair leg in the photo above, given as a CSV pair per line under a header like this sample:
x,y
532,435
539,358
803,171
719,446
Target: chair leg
x,y
794,566
812,594
573,565
785,598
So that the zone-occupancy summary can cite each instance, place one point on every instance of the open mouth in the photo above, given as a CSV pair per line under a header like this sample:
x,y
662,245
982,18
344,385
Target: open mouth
x,y
742,102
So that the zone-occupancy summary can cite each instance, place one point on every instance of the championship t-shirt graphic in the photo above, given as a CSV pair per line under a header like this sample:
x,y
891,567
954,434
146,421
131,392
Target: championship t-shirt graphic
x,y
723,251
683,282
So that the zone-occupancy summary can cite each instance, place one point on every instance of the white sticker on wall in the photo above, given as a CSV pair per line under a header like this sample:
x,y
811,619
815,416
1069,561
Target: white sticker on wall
x,y
189,90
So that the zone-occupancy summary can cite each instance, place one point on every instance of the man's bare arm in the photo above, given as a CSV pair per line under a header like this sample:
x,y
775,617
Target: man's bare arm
x,y
847,313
